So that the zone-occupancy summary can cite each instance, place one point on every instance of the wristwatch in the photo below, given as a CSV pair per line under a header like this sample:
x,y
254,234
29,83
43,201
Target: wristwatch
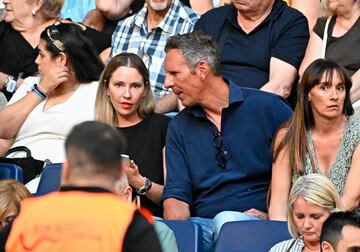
x,y
145,188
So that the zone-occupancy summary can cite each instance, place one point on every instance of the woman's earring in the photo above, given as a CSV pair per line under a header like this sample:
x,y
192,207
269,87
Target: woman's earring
x,y
33,13
309,99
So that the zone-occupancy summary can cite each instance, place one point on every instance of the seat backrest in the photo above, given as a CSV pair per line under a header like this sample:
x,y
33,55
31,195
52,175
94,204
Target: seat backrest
x,y
11,171
251,236
188,235
50,179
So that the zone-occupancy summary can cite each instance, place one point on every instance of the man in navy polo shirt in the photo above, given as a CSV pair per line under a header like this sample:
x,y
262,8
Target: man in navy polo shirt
x,y
262,42
218,149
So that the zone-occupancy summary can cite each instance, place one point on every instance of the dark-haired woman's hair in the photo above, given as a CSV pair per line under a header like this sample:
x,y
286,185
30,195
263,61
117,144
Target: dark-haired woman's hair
x,y
70,39
302,120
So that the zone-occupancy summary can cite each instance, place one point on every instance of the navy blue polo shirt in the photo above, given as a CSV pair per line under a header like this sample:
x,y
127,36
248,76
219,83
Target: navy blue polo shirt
x,y
245,58
248,125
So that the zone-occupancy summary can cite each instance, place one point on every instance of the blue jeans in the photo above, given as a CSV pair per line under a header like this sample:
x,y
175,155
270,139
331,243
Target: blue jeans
x,y
211,227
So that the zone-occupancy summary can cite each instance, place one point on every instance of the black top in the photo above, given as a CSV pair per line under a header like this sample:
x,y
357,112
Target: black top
x,y
140,235
145,142
343,50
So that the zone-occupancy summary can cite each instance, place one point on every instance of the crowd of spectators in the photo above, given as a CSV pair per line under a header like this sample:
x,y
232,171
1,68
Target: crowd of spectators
x,y
264,99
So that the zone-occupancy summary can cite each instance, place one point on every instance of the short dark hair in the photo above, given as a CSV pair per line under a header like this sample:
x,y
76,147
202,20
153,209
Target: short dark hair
x,y
95,147
196,46
333,226
79,50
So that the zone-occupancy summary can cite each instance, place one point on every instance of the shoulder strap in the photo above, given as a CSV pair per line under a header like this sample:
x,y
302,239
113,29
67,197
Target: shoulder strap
x,y
325,37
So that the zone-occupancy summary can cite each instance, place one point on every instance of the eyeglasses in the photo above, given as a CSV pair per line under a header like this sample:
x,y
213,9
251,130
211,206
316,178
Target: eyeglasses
x,y
57,43
221,154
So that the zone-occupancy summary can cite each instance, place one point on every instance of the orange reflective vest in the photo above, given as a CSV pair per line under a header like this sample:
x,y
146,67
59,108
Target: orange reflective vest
x,y
71,221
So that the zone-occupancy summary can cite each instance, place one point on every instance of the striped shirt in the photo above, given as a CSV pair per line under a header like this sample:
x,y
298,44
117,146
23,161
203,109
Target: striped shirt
x,y
297,245
132,35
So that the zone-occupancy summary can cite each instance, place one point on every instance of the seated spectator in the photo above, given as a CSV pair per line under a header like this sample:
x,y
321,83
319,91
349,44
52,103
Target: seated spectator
x,y
85,215
146,33
20,35
165,234
321,137
47,108
262,43
341,42
341,232
311,201
125,100
11,193
218,152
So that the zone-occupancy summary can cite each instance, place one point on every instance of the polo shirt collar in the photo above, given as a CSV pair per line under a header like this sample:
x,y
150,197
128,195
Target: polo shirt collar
x,y
235,96
166,24
275,12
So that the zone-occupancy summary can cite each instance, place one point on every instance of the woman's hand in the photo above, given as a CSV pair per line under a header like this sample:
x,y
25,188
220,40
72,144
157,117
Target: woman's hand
x,y
133,174
54,77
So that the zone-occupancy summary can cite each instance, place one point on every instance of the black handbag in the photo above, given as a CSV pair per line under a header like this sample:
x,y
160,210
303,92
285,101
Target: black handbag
x,y
31,167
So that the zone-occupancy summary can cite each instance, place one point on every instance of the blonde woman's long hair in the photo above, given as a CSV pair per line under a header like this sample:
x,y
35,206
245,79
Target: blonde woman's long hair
x,y
104,110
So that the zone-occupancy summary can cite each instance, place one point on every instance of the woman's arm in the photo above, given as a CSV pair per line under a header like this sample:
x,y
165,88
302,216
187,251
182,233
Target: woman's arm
x,y
5,146
280,182
13,116
355,90
201,6
313,52
351,196
310,9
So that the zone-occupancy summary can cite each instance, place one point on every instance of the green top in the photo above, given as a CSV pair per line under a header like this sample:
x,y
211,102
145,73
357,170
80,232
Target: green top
x,y
339,169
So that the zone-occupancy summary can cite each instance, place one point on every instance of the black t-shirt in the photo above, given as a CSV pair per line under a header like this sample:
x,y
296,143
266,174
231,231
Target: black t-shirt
x,y
144,144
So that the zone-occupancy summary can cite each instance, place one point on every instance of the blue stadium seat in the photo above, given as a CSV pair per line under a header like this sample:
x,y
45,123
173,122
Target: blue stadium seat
x,y
251,236
50,179
188,235
11,171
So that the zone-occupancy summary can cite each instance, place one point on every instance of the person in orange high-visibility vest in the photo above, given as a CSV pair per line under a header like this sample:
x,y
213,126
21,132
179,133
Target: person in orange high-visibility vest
x,y
85,215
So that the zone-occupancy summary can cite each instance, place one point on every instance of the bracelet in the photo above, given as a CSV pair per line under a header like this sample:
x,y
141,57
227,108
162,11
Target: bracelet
x,y
39,93
40,90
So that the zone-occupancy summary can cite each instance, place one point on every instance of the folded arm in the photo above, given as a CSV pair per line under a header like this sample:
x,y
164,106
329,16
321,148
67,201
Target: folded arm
x,y
175,209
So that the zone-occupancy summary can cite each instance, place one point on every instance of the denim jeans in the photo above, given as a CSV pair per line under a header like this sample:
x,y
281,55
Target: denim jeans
x,y
211,227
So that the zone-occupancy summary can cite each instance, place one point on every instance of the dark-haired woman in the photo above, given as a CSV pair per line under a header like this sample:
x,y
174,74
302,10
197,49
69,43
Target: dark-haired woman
x,y
43,110
321,137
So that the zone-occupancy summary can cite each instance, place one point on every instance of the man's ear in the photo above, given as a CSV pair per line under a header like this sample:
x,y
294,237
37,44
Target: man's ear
x,y
202,69
65,172
326,247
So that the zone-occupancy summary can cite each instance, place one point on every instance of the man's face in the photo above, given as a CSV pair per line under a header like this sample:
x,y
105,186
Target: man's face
x,y
248,6
350,241
186,84
159,5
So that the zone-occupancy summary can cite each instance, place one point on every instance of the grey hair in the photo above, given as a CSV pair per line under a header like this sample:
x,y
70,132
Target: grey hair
x,y
196,46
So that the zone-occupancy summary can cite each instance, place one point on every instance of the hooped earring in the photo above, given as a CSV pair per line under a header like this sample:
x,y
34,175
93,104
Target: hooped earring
x,y
33,13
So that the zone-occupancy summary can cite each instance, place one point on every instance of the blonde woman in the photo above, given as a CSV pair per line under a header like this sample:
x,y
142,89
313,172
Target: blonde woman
x,y
11,193
311,201
125,100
